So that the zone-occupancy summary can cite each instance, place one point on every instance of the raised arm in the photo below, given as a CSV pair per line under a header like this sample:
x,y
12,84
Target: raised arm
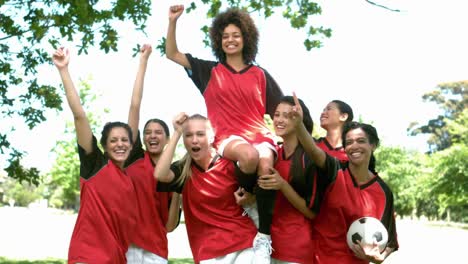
x,y
174,212
162,171
137,94
315,153
172,52
84,135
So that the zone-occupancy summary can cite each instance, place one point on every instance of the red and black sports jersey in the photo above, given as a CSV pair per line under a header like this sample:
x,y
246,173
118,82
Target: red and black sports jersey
x,y
338,153
236,102
291,231
107,214
214,221
344,202
153,207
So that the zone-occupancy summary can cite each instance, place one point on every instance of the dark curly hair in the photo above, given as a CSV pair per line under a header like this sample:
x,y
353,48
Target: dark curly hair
x,y
371,134
245,23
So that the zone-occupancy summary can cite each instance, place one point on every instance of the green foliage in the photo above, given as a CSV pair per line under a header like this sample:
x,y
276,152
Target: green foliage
x,y
452,99
21,193
400,169
298,13
451,174
29,28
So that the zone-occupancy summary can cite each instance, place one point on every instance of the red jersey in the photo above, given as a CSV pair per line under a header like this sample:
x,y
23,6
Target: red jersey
x,y
236,102
214,221
107,214
153,207
338,153
346,201
291,231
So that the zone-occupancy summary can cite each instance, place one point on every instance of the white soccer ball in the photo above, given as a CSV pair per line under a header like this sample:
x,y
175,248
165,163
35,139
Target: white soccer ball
x,y
366,229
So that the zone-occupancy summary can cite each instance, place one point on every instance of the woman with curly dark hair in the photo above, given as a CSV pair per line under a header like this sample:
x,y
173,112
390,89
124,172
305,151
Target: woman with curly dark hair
x,y
237,94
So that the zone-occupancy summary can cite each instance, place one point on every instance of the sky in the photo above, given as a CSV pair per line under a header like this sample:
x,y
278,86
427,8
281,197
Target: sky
x,y
380,62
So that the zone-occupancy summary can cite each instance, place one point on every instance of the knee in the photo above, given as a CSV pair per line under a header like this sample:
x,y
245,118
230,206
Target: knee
x,y
248,160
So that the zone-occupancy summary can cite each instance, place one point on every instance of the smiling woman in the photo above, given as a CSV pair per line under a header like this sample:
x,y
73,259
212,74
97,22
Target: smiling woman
x,y
93,239
354,190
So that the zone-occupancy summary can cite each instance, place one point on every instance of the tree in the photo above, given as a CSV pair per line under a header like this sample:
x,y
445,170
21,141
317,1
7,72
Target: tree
x,y
452,99
298,13
28,28
451,178
64,179
400,169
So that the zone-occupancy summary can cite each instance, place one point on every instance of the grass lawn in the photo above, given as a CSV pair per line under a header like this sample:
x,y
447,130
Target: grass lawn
x,y
60,261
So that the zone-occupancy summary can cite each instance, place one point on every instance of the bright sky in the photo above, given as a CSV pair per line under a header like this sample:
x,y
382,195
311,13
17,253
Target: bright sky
x,y
378,61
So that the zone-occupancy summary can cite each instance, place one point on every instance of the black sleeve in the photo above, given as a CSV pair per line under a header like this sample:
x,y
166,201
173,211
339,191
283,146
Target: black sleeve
x,y
200,71
388,218
329,172
174,185
137,152
310,177
273,94
92,162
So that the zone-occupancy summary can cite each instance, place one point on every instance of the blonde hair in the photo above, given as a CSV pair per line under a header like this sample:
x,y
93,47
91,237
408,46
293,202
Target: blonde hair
x,y
186,161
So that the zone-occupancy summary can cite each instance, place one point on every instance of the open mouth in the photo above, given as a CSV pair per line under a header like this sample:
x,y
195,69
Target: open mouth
x,y
153,143
195,149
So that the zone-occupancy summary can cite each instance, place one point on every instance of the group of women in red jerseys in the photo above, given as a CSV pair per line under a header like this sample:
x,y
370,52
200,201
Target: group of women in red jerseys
x,y
307,192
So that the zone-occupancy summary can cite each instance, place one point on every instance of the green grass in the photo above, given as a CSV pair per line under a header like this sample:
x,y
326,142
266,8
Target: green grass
x,y
60,261
45,261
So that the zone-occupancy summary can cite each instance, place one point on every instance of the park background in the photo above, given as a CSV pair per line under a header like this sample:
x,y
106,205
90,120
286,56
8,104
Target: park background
x,y
382,60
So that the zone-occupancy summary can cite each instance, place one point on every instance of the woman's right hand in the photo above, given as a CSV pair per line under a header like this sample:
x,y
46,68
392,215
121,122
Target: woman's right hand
x,y
178,121
175,12
61,58
145,52
296,114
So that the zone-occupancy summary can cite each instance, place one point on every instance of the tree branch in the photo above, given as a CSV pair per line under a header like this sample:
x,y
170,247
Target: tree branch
x,y
382,6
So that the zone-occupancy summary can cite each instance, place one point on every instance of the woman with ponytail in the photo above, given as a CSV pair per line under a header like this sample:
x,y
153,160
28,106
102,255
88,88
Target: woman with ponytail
x,y
217,230
300,189
333,118
355,191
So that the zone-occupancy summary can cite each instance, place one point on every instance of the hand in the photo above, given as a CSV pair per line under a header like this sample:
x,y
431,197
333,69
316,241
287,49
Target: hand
x,y
61,58
368,252
145,52
178,121
175,12
272,181
243,197
296,114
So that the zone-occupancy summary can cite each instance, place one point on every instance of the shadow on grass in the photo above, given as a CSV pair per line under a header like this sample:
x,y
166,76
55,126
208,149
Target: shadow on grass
x,y
58,261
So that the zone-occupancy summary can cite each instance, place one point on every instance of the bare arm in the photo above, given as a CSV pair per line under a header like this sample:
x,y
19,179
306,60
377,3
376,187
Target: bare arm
x,y
315,153
162,171
84,135
172,52
274,181
137,94
174,212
